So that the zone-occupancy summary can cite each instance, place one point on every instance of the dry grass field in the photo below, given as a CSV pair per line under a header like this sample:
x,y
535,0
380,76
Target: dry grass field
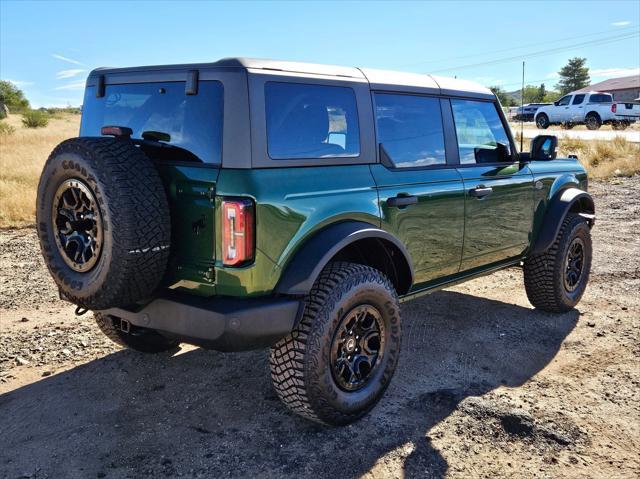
x,y
23,152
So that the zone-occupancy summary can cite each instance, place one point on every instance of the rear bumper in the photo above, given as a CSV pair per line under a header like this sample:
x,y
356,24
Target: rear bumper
x,y
224,324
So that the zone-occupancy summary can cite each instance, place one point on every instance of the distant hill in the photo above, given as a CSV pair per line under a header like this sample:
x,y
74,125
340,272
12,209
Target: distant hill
x,y
514,95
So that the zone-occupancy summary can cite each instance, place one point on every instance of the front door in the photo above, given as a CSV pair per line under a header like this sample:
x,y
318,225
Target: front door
x,y
560,112
421,196
498,188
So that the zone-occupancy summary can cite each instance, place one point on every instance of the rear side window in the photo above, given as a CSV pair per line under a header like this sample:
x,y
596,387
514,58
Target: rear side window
x,y
311,121
600,98
193,122
578,99
410,129
481,134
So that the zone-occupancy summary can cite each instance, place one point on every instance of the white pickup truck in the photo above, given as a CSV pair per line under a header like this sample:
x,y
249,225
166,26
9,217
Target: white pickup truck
x,y
594,109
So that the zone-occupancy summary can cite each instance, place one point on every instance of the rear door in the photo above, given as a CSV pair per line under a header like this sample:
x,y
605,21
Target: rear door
x,y
420,192
498,188
576,111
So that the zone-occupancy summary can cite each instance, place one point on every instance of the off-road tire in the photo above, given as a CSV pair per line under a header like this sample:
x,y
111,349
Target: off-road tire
x,y
544,273
139,339
567,125
136,223
300,363
542,121
593,121
620,125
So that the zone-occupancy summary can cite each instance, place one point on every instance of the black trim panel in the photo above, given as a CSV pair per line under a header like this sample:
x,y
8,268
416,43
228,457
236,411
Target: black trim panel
x,y
556,212
221,323
302,271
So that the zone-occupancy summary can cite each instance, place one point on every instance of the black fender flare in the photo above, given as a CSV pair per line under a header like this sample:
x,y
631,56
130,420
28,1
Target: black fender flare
x,y
564,201
311,258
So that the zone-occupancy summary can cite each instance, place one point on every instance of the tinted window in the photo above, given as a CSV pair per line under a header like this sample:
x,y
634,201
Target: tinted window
x,y
564,100
578,99
194,122
311,121
601,98
481,135
410,129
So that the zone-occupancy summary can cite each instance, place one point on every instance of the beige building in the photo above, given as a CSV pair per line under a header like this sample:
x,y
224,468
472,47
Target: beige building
x,y
622,89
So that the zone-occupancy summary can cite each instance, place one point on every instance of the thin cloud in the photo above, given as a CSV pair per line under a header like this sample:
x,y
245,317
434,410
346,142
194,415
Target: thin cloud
x,y
62,74
620,24
614,72
20,83
76,85
65,59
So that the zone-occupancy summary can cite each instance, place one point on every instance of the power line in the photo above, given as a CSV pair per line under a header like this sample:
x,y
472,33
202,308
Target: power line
x,y
601,41
620,30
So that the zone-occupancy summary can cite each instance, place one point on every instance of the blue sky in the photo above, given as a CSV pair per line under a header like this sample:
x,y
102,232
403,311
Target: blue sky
x,y
47,48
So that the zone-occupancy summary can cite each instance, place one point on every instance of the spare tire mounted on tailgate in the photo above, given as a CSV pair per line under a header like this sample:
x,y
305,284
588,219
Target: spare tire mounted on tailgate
x,y
103,222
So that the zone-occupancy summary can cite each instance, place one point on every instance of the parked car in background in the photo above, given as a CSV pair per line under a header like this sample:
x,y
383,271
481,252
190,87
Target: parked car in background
x,y
528,111
592,109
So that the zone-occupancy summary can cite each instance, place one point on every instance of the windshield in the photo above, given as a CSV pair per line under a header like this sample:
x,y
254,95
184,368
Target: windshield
x,y
193,122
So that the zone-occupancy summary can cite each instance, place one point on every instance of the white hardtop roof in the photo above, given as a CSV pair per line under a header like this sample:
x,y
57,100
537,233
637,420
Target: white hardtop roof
x,y
378,79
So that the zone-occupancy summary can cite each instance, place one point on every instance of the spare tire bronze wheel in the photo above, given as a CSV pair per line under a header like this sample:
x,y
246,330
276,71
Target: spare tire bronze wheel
x,y
103,222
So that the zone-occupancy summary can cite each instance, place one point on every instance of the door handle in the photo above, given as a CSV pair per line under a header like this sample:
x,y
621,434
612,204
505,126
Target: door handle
x,y
480,191
401,201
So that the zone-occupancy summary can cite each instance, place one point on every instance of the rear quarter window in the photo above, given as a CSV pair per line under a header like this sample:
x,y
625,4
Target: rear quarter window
x,y
601,98
311,121
194,122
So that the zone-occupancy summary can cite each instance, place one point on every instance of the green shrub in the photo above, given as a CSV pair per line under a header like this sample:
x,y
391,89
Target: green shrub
x,y
6,129
35,119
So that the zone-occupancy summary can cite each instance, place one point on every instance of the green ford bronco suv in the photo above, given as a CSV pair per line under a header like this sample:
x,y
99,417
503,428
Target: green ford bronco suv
x,y
246,204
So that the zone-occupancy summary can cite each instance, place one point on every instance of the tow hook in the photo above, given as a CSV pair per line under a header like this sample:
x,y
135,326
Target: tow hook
x,y
80,311
125,326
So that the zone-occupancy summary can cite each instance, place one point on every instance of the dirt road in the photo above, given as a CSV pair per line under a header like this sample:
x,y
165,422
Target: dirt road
x,y
486,386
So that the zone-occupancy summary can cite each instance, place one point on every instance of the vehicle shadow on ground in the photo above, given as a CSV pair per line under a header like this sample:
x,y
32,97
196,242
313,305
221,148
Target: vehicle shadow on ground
x,y
208,414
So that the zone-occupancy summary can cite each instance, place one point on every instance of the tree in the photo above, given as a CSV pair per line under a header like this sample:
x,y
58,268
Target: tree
x,y
551,96
573,76
542,93
505,99
532,94
12,97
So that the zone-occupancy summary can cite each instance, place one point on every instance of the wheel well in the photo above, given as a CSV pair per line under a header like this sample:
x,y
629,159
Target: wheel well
x,y
382,255
593,113
583,205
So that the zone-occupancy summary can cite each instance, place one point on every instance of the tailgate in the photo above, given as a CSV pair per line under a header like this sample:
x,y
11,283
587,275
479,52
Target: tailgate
x,y
628,111
191,193
182,132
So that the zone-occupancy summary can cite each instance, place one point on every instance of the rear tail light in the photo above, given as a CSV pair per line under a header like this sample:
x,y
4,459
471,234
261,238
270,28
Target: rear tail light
x,y
614,108
238,225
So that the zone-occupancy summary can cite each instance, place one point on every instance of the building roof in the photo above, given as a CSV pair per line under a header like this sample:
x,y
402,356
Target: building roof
x,y
613,84
378,79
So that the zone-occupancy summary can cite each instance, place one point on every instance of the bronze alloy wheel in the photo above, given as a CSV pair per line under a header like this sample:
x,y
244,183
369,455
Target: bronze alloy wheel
x,y
574,265
77,225
358,347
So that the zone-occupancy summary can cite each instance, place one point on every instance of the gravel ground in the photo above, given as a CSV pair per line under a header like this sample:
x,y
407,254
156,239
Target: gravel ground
x,y
486,386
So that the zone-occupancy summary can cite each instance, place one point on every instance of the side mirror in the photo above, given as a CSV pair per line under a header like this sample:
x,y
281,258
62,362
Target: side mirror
x,y
556,103
544,148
